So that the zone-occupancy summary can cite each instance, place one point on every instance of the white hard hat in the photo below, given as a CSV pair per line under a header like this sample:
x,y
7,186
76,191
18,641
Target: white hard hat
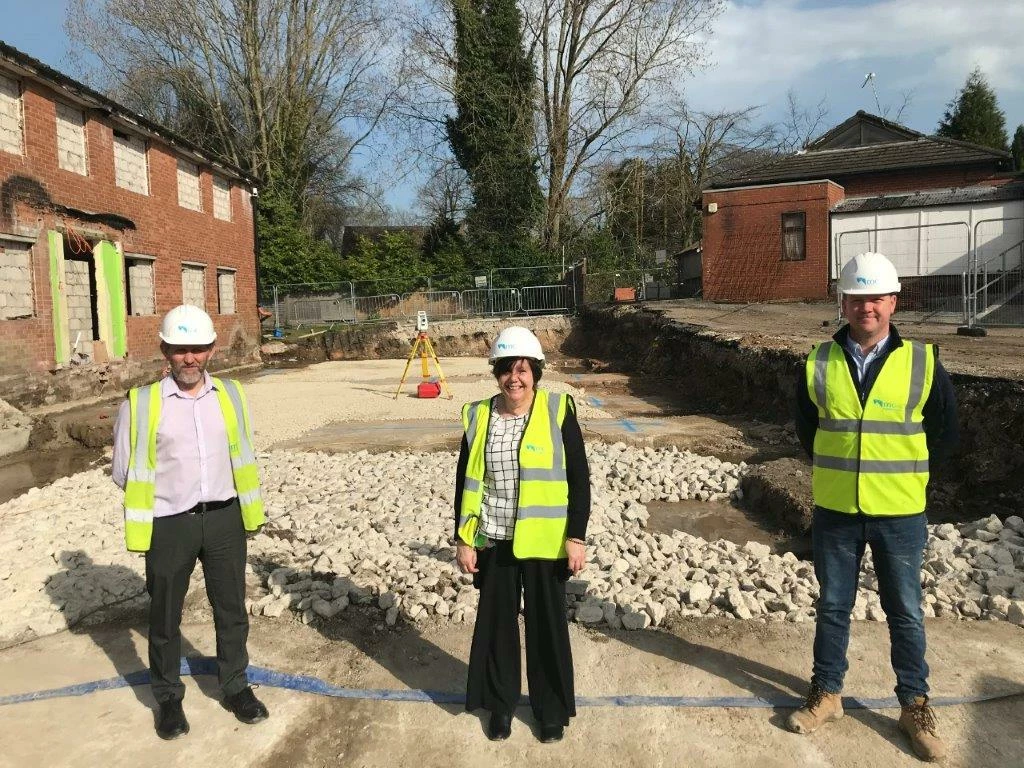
x,y
187,324
516,341
869,274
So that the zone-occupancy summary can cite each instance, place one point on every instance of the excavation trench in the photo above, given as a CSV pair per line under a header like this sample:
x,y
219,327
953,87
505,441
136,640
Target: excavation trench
x,y
746,376
715,391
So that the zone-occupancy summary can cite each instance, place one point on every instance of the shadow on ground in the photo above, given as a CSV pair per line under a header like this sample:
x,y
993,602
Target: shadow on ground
x,y
757,678
113,624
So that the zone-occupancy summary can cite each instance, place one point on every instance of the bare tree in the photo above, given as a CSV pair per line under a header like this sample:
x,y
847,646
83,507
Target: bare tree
x,y
801,124
445,196
895,113
651,200
288,89
603,64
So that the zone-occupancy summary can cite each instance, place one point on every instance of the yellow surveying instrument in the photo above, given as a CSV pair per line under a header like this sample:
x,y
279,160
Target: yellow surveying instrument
x,y
424,348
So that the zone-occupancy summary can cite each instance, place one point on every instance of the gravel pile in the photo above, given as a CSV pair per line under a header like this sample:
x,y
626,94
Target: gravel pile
x,y
375,528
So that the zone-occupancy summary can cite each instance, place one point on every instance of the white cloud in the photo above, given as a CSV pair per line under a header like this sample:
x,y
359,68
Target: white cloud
x,y
931,45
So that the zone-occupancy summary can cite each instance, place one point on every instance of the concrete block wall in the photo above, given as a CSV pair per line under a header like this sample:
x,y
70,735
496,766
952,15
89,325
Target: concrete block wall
x,y
71,151
140,287
221,198
189,194
10,115
193,286
79,302
32,183
226,292
15,281
131,170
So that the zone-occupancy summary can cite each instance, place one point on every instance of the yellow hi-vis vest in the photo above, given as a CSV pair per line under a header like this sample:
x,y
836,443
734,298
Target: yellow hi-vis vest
x,y
871,458
140,489
543,501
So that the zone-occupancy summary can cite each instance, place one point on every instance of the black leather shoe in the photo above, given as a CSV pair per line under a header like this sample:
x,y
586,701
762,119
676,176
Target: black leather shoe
x,y
499,727
551,733
246,706
170,721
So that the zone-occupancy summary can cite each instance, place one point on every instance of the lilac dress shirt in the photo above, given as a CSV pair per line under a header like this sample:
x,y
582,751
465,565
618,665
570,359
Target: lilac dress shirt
x,y
192,461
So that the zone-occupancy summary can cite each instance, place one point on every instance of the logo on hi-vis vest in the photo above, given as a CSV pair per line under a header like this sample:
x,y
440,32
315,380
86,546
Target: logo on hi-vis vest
x,y
533,448
883,404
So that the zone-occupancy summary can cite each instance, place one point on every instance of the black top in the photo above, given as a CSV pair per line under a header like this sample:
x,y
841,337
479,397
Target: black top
x,y
577,473
941,428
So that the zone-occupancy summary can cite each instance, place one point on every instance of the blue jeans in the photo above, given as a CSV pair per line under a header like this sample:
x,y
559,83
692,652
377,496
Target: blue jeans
x,y
897,548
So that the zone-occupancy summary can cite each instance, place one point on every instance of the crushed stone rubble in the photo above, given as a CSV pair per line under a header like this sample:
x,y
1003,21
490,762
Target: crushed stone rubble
x,y
375,529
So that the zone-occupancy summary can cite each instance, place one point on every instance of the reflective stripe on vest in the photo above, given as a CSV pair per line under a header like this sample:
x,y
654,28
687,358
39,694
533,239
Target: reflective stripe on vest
x,y
140,488
543,496
871,457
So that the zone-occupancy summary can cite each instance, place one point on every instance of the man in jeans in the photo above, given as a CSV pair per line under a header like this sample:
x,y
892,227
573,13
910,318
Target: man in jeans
x,y
872,409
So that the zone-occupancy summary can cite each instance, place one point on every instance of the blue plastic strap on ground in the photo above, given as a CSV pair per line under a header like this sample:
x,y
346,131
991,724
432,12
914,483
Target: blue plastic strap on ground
x,y
305,684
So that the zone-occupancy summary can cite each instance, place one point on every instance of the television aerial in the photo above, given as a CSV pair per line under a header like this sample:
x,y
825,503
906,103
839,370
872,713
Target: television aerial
x,y
870,78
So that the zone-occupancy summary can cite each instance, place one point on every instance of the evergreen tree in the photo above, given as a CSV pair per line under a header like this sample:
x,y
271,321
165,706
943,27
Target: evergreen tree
x,y
288,253
974,115
492,135
1018,149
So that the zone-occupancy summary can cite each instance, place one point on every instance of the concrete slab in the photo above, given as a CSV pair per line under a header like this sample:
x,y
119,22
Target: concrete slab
x,y
700,660
602,392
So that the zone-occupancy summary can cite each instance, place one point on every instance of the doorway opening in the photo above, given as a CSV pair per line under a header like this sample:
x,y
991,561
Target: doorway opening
x,y
82,295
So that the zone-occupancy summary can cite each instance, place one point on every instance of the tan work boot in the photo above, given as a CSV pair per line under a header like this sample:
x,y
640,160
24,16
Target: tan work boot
x,y
821,707
919,723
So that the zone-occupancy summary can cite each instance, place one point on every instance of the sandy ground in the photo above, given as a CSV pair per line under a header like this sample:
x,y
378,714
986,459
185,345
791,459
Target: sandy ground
x,y
286,402
694,659
700,659
798,326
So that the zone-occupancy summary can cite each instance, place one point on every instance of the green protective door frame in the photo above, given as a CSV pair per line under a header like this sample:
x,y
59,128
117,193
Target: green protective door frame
x,y
58,296
110,274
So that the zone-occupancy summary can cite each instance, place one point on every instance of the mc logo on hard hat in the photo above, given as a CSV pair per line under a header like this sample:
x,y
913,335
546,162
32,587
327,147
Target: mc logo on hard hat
x,y
869,273
187,324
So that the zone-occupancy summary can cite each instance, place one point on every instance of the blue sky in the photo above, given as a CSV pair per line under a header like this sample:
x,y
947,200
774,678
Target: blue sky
x,y
824,48
760,49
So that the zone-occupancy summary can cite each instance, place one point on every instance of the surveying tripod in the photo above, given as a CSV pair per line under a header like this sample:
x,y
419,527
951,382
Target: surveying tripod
x,y
423,346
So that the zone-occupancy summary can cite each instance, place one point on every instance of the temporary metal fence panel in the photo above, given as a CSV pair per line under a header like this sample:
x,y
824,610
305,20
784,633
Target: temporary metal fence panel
x,y
646,285
518,277
490,302
995,283
545,299
930,259
371,309
300,311
337,311
438,305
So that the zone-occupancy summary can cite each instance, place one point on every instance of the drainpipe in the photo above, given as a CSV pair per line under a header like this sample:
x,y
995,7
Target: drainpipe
x,y
256,243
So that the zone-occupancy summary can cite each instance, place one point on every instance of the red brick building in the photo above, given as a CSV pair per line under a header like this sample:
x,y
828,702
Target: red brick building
x,y
107,221
771,234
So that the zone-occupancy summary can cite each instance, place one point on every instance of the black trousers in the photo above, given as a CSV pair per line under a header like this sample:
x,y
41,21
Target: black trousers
x,y
495,669
217,539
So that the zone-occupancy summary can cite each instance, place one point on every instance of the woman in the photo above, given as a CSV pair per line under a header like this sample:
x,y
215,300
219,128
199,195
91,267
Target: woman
x,y
522,500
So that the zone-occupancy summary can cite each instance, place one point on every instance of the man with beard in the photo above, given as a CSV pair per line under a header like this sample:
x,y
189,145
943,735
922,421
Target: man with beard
x,y
184,456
